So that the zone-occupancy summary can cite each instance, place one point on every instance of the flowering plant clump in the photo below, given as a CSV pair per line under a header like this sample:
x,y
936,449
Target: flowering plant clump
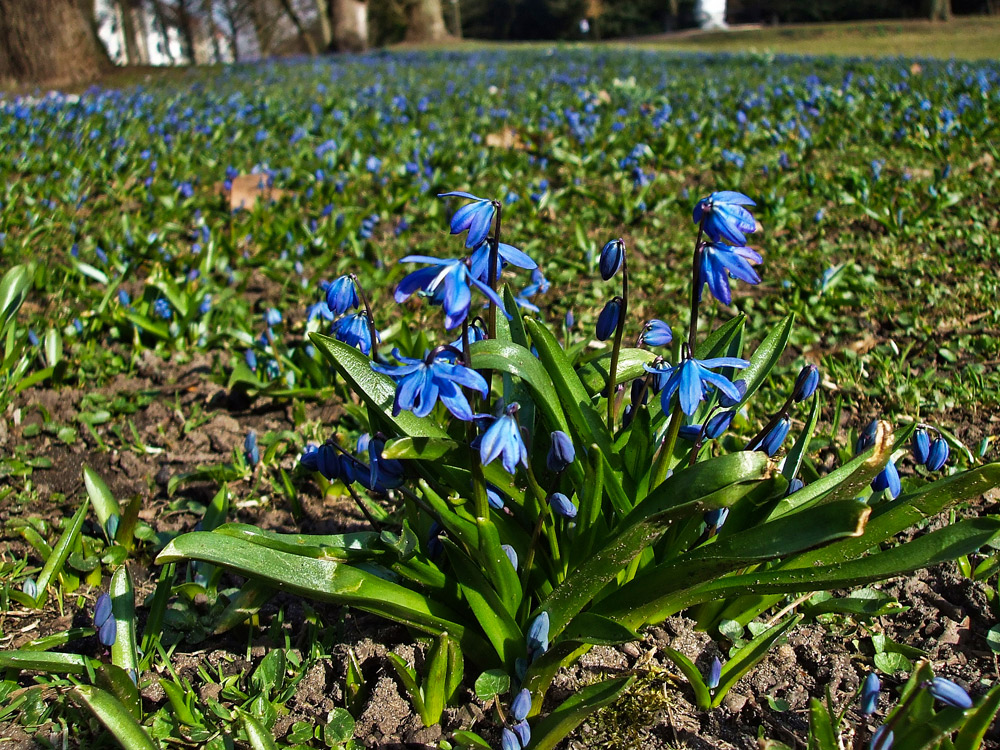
x,y
545,503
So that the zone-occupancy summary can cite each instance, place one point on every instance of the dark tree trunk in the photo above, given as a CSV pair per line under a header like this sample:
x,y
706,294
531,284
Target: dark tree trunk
x,y
425,22
350,25
186,24
159,14
308,45
48,41
134,36
940,10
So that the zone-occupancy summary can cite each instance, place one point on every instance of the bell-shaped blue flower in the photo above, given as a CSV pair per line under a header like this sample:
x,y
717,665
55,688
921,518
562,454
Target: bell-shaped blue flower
x,y
870,693
716,518
657,333
794,486
537,639
867,437
725,216
882,739
948,692
562,505
720,261
612,258
353,330
728,403
251,452
523,732
420,385
773,439
888,480
691,378
272,316
511,554
162,309
806,383
479,262
509,740
521,705
104,621
475,217
714,674
718,424
325,460
342,295
920,446
503,439
448,282
607,321
937,456
561,452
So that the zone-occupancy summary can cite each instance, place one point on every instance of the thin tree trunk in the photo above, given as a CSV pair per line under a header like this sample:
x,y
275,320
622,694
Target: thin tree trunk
x,y
47,41
132,55
262,26
350,25
325,30
161,21
185,23
308,44
213,29
456,19
425,22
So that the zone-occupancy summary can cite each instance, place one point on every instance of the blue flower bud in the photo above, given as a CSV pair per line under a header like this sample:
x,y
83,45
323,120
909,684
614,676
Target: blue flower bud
x,y
251,452
937,457
806,383
104,621
123,298
111,526
773,440
920,446
794,486
341,295
251,359
948,692
612,257
716,518
570,320
162,309
494,498
561,452
30,588
511,554
715,674
272,316
537,639
690,432
882,739
523,732
509,740
869,694
888,480
719,424
562,505
657,333
607,321
33,338
521,705
728,403
867,438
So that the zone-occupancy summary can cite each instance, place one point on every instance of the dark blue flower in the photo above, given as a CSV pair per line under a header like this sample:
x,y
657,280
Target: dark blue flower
x,y
341,295
714,674
794,486
921,446
726,402
882,739
937,457
251,359
657,333
384,473
607,321
718,424
720,261
867,437
503,438
773,439
716,518
869,694
353,330
448,283
888,480
562,505
561,452
476,217
104,621
806,383
251,452
537,639
948,692
725,217
523,732
612,258
511,554
162,309
479,261
420,385
509,740
325,460
690,380
272,316
521,705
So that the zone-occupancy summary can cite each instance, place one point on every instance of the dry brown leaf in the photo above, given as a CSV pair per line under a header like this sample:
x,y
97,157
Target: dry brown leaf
x,y
506,138
247,189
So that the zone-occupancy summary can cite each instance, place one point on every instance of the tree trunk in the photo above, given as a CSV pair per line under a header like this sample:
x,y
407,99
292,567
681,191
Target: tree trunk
x,y
325,30
132,31
186,25
161,21
47,41
263,26
350,25
424,21
940,10
308,45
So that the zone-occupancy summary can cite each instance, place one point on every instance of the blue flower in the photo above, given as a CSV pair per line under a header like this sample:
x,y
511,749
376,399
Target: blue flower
x,y
476,217
937,457
948,692
726,402
251,359
921,446
537,639
867,437
511,554
420,385
806,383
715,674
717,518
104,621
612,258
562,505
607,321
539,285
448,282
773,439
724,216
384,473
882,739
325,460
561,452
719,424
320,310
523,732
272,316
353,330
341,295
690,380
479,261
720,261
888,480
869,694
251,452
509,740
657,333
503,438
521,705
162,309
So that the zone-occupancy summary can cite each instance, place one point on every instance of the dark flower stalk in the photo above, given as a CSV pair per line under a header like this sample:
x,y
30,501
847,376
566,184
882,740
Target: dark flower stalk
x,y
494,241
696,283
368,310
616,347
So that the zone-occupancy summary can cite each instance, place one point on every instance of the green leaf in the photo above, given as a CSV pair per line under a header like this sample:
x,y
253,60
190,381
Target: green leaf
x,y
745,657
340,728
124,653
596,630
594,375
357,545
550,731
515,360
891,662
489,684
470,739
426,449
114,716
45,661
822,733
13,291
257,734
105,504
793,460
325,580
245,604
702,697
972,733
269,675
377,390
766,357
54,564
718,342
993,639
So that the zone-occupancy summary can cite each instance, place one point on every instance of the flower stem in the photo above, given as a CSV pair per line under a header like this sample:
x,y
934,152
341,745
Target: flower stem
x,y
667,448
494,261
754,444
616,348
696,282
368,312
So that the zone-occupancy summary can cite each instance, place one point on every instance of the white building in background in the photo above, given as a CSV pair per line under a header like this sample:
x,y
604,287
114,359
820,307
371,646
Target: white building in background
x,y
711,14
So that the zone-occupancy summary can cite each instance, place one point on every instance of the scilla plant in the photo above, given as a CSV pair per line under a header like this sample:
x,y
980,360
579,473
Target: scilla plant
x,y
547,502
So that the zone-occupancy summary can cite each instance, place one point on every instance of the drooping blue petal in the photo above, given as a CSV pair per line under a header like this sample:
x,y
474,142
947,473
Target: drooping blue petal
x,y
690,390
414,282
